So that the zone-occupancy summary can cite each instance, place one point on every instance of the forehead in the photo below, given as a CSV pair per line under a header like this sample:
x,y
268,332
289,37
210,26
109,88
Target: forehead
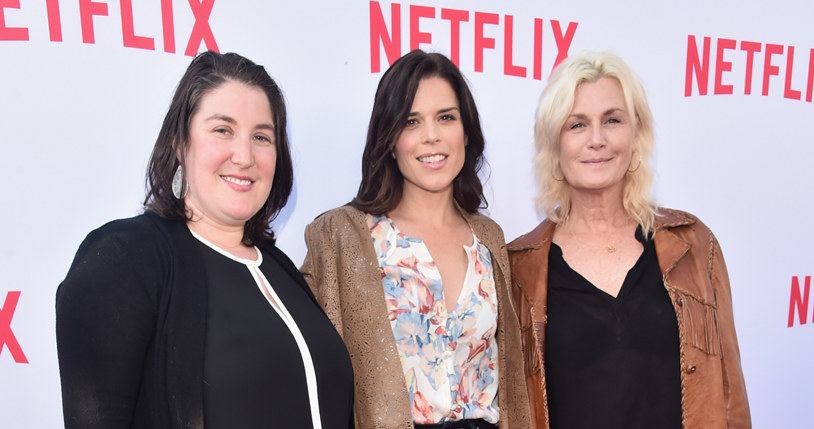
x,y
433,91
232,97
599,95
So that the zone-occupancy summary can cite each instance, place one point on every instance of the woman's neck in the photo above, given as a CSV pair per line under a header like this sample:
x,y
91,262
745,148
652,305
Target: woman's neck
x,y
597,212
427,208
230,239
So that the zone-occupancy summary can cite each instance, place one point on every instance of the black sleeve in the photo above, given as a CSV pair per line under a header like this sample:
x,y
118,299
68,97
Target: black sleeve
x,y
105,322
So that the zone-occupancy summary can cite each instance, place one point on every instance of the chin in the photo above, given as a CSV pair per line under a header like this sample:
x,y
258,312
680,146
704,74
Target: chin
x,y
595,186
242,216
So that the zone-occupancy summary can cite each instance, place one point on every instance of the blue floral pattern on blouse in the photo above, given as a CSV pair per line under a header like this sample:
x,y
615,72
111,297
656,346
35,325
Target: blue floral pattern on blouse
x,y
449,358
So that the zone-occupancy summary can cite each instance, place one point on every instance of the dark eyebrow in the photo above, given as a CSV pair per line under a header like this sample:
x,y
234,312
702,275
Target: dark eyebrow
x,y
447,110
221,117
231,120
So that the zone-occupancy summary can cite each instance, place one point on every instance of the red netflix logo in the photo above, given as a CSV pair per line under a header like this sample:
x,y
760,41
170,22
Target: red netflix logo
x,y
390,39
798,302
88,9
7,337
768,54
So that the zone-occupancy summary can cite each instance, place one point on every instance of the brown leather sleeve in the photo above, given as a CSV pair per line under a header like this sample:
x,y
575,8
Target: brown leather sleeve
x,y
309,268
319,270
531,351
737,404
342,270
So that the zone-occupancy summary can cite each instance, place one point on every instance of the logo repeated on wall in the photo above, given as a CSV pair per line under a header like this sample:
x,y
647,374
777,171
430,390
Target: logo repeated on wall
x,y
547,37
768,56
798,301
88,9
7,338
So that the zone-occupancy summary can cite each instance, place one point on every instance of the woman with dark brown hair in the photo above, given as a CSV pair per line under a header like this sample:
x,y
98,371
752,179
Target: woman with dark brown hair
x,y
188,316
413,277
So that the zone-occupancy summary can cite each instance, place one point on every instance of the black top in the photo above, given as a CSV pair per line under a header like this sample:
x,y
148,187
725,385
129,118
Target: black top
x,y
612,362
131,319
254,375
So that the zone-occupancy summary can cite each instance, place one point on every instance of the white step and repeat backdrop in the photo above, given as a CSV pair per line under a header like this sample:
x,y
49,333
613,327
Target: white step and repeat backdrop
x,y
84,86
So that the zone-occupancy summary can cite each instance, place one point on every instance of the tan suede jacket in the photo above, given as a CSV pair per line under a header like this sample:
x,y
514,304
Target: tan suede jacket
x,y
713,394
342,269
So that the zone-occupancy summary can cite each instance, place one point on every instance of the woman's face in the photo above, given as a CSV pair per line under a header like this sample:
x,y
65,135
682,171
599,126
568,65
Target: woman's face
x,y
597,139
430,150
231,155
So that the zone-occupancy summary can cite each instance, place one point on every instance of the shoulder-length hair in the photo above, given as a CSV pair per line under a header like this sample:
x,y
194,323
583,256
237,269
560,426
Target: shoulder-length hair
x,y
382,182
207,72
554,107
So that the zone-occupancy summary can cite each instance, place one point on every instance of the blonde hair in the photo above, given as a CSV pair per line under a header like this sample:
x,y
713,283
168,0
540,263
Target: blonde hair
x,y
554,107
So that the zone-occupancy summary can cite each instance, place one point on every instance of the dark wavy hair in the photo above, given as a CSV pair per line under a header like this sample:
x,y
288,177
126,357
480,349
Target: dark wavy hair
x,y
382,182
207,72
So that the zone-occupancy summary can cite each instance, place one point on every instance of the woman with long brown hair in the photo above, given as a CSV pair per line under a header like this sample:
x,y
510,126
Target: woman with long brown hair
x,y
413,277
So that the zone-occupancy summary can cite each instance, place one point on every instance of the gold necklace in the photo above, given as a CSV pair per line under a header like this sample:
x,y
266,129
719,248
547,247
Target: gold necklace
x,y
610,248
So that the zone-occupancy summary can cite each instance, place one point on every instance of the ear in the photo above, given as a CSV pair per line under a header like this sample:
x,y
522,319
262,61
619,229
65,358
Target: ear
x,y
178,149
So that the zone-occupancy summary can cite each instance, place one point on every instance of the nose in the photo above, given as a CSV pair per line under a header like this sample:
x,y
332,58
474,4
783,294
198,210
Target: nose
x,y
597,137
243,152
431,132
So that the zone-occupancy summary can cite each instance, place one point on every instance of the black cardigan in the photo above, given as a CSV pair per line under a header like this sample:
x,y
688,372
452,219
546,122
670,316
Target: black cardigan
x,y
130,325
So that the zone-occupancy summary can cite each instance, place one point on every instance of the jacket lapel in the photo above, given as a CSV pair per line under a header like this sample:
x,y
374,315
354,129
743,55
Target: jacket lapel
x,y
536,245
671,248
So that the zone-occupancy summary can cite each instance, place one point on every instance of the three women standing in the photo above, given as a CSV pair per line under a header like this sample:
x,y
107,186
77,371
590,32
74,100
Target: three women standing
x,y
188,315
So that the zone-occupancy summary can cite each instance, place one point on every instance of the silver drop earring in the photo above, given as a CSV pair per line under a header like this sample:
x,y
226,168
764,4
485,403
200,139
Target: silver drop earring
x,y
178,188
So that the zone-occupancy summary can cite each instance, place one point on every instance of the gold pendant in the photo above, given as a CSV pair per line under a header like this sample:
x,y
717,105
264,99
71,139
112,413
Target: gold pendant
x,y
611,248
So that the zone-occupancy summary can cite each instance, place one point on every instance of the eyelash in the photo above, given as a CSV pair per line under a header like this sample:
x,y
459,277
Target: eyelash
x,y
445,117
226,131
580,124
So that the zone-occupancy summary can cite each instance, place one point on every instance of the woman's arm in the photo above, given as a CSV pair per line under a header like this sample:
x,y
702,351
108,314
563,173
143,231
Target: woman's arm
x,y
737,405
311,268
105,321
320,270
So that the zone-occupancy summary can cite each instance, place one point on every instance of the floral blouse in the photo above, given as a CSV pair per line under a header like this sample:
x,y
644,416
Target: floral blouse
x,y
449,358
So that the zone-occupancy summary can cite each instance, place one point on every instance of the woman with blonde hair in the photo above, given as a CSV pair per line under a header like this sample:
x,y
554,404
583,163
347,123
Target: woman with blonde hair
x,y
625,307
